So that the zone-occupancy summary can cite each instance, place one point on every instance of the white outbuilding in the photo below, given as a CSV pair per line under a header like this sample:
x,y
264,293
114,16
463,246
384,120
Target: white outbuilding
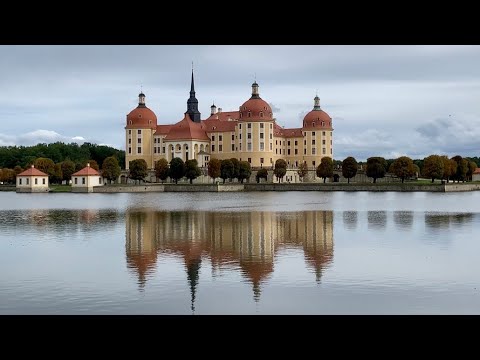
x,y
32,180
85,179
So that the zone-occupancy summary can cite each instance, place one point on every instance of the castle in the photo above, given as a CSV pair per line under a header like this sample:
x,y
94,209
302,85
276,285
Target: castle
x,y
249,134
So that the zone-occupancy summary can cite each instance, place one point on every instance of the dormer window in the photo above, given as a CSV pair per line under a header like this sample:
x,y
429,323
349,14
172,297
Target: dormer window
x,y
130,122
323,123
139,115
249,114
261,114
313,124
240,115
149,121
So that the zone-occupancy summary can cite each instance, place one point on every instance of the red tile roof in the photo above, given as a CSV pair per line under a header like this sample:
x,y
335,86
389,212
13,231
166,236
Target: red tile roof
x,y
87,171
219,125
293,132
163,129
225,116
256,107
315,118
186,129
477,171
32,172
141,117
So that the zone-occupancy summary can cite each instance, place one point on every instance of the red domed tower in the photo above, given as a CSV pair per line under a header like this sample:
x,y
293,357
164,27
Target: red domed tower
x,y
141,123
318,134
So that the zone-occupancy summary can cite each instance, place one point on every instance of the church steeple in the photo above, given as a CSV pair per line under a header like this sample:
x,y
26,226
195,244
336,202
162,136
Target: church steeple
x,y
192,103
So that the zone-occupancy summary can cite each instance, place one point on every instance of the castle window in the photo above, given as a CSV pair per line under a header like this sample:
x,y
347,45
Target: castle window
x,y
313,133
139,132
296,142
240,125
219,137
233,137
130,131
261,135
270,146
149,121
271,126
249,114
163,150
233,147
288,152
249,146
313,151
261,114
270,136
288,142
249,135
154,150
250,160
323,133
313,141
262,146
261,160
220,148
313,124
323,123
213,137
213,148
330,133
139,140
323,142
324,151
331,151
130,122
304,151
139,150
296,151
261,125
240,136
129,141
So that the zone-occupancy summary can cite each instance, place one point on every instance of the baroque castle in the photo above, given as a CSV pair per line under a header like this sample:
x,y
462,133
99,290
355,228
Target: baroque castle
x,y
249,134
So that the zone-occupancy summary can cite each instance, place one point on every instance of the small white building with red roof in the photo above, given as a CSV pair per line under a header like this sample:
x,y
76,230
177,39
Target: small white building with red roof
x,y
476,175
84,180
32,180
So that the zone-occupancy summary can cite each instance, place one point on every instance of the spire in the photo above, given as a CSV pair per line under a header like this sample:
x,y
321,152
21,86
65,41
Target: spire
x,y
213,109
316,105
192,103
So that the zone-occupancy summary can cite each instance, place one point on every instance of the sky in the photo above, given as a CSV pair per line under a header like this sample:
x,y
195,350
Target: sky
x,y
384,100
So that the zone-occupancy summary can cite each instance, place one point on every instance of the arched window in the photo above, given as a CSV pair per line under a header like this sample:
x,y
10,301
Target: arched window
x,y
261,114
130,122
249,114
313,124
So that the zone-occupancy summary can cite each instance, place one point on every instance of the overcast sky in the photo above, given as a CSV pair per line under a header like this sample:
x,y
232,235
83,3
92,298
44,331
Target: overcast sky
x,y
384,100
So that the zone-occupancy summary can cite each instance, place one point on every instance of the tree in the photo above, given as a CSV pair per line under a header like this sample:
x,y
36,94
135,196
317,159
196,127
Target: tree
x,y
449,168
376,168
433,167
78,166
280,169
349,168
18,169
325,169
111,169
236,168
302,170
214,168
471,168
57,175
138,169
177,169
244,170
402,167
47,166
261,174
462,168
226,169
192,171
162,170
68,169
7,175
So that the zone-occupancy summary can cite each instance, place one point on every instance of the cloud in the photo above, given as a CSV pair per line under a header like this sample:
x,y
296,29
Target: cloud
x,y
38,136
274,108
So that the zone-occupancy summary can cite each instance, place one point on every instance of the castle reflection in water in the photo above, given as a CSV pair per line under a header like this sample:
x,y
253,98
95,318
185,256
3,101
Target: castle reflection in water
x,y
244,240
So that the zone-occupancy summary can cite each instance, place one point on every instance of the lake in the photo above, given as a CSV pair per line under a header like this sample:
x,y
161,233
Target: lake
x,y
240,253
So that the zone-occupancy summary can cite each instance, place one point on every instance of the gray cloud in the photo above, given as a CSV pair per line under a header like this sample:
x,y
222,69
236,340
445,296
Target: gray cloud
x,y
384,100
38,136
274,108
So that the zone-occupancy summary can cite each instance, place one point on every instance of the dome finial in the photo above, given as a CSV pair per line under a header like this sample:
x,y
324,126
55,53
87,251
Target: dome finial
x,y
141,98
255,93
316,105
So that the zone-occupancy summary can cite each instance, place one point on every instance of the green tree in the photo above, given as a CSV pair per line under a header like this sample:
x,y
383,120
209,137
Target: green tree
x,y
261,174
18,169
462,168
472,166
402,167
214,166
138,169
79,166
57,175
376,168
325,169
162,169
47,166
177,169
111,169
192,171
226,169
433,167
302,170
68,168
244,170
349,168
236,168
7,176
449,167
280,169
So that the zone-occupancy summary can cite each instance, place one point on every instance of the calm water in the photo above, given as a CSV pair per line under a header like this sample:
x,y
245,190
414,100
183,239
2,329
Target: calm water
x,y
240,253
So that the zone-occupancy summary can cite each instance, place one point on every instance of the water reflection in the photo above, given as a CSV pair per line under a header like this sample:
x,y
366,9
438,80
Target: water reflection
x,y
403,219
243,241
350,219
377,220
441,221
58,220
